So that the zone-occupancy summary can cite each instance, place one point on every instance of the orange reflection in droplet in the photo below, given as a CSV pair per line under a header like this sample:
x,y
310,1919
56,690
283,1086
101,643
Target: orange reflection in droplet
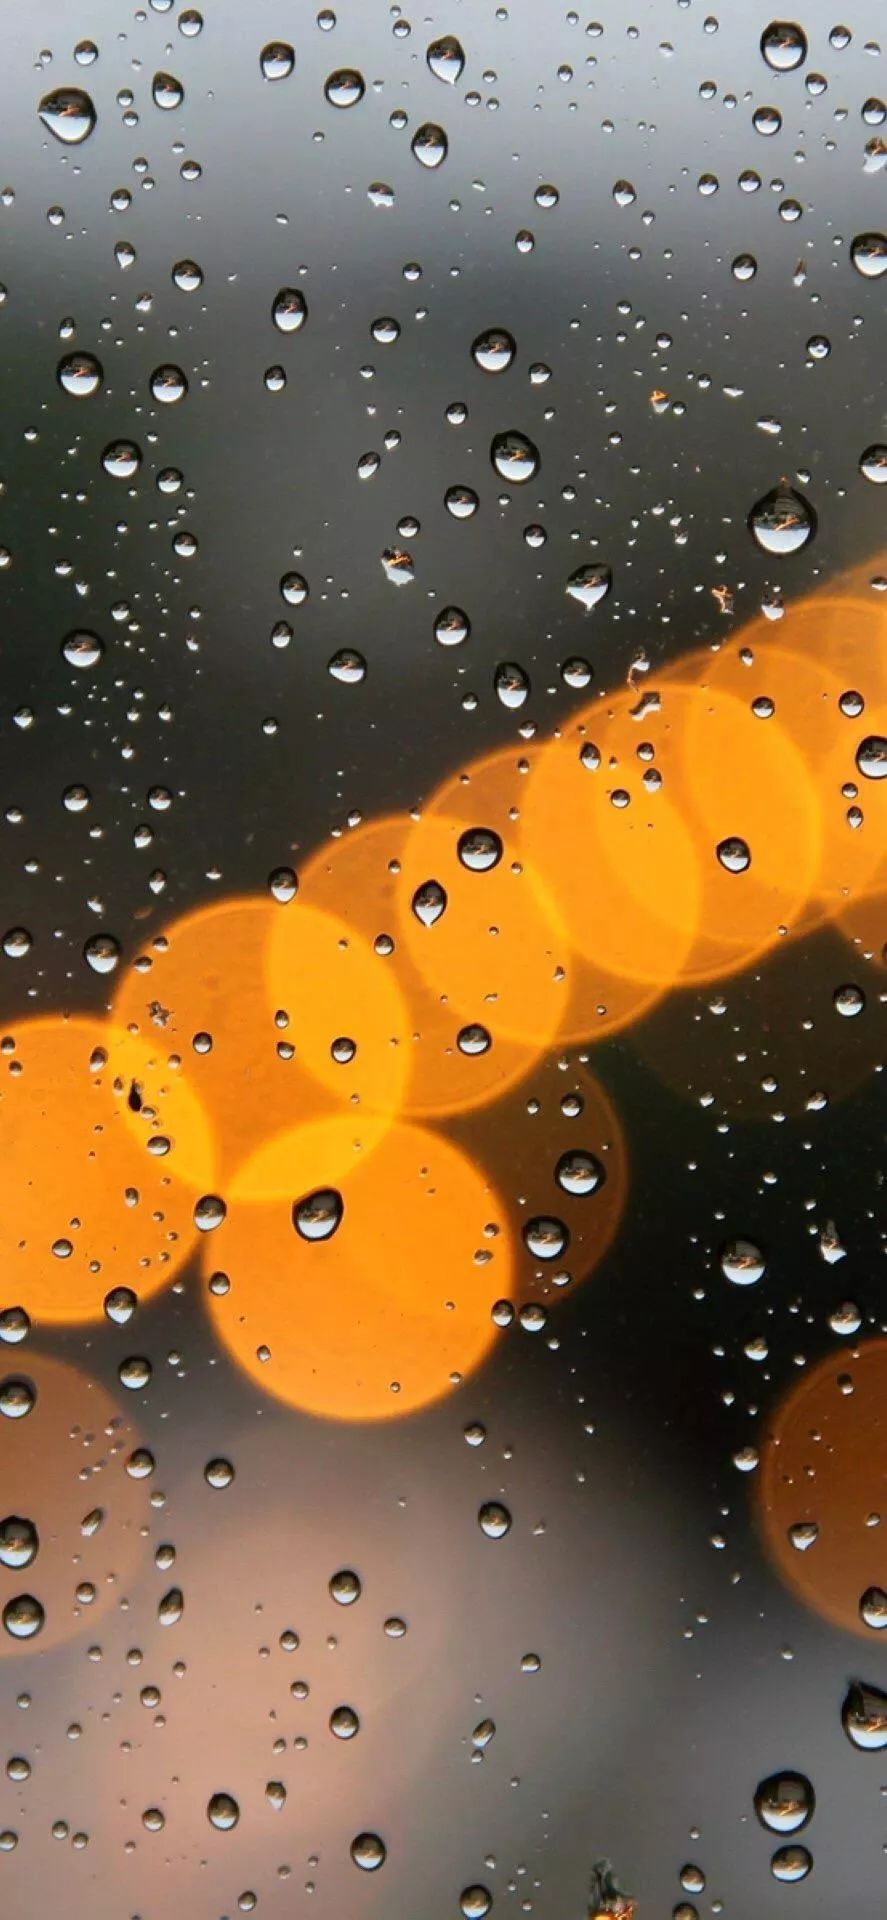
x,y
352,877
824,1462
248,998
371,1323
77,1175
63,1462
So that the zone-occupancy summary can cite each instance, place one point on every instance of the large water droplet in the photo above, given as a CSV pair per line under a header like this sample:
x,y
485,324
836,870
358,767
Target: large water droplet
x,y
290,310
82,649
873,465
784,45
514,457
345,1587
23,1617
69,114
494,350
868,253
345,87
368,1851
222,1812
579,1172
277,60
742,1262
734,854
784,1802
319,1214
494,1520
430,144
446,58
871,756
588,586
80,375
19,1542
479,849
512,685
783,521
864,1717
429,902
791,1863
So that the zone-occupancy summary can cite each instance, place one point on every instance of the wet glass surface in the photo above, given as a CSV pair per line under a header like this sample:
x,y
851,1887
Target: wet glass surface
x,y
444,707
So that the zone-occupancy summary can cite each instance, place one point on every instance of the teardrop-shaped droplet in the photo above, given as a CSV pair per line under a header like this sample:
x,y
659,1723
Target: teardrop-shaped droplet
x,y
512,685
446,58
429,902
69,114
589,586
783,521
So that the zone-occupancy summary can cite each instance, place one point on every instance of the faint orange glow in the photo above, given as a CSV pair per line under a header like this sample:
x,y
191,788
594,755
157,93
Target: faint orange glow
x,y
87,1202
824,1463
63,1462
371,1323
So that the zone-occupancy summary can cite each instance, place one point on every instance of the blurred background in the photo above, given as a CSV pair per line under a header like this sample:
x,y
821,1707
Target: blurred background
x,y
406,417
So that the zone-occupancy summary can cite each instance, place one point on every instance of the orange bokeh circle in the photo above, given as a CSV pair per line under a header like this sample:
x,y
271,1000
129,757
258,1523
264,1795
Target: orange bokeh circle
x,y
398,1298
359,876
61,1464
824,1461
271,988
91,1192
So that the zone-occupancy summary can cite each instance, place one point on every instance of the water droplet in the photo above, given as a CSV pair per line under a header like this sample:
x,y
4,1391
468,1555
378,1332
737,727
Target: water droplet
x,y
347,666
429,902
277,60
80,374
494,1520
345,1587
479,849
289,310
82,649
187,276
218,1473
545,1237
864,1717
368,1851
849,1000
318,1215
461,502
873,1608
734,854
14,1325
744,266
475,1902
514,457
168,384
579,1172
344,1723
871,756
398,566
589,586
783,521
512,685
102,952
742,1262
430,144
23,1617
69,114
222,1812
494,350
122,459
19,1542
873,465
473,1039
167,91
171,1607
784,1802
766,120
868,253
345,87
791,1863
446,58
17,942
294,589
451,627
784,45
